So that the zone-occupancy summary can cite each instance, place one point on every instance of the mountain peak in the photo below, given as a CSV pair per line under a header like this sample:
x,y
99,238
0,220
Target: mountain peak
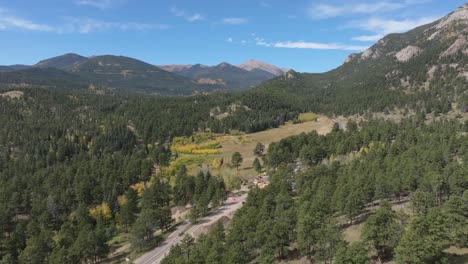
x,y
461,14
224,64
252,64
63,62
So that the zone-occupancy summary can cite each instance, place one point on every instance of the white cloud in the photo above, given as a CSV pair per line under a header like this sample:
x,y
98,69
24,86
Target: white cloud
x,y
367,38
14,22
229,40
10,21
387,26
102,4
235,20
187,16
88,25
381,27
323,11
195,17
308,45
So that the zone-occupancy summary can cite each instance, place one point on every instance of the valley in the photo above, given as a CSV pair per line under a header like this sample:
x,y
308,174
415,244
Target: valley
x,y
111,159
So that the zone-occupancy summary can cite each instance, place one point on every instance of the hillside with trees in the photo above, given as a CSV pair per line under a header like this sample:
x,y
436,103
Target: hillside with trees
x,y
297,213
85,156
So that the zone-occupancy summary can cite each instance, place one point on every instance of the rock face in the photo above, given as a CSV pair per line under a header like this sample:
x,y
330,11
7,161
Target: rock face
x,y
371,53
408,53
460,44
350,57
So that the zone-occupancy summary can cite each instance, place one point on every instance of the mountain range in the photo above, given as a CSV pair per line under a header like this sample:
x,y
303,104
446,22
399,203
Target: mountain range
x,y
110,73
424,67
249,74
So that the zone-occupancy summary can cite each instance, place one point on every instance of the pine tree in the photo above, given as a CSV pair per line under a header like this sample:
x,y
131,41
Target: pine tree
x,y
257,166
424,241
236,160
383,231
259,149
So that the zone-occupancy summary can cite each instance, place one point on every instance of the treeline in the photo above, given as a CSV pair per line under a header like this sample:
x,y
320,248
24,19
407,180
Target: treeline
x,y
343,173
159,118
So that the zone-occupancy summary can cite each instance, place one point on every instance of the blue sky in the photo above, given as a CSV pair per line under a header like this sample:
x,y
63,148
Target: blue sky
x,y
306,35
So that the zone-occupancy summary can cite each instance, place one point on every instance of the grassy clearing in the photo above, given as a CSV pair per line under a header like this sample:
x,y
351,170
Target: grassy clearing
x,y
199,151
309,116
245,144
457,255
353,233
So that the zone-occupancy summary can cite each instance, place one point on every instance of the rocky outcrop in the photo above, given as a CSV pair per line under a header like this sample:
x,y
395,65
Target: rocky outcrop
x,y
408,53
460,44
350,57
371,53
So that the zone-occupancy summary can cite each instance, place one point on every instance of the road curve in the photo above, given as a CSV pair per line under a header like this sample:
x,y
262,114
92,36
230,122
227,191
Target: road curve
x,y
156,255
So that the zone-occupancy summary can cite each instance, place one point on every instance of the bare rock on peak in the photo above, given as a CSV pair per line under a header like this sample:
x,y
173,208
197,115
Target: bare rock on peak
x,y
461,14
251,65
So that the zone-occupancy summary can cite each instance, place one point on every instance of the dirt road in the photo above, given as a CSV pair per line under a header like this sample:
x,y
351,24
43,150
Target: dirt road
x,y
157,255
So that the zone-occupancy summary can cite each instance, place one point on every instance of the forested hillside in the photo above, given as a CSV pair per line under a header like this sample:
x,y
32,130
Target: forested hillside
x,y
75,171
297,213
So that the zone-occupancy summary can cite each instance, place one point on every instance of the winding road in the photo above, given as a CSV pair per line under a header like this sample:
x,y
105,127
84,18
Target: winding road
x,y
157,254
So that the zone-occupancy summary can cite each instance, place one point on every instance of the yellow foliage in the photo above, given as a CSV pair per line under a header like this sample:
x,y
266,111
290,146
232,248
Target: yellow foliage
x,y
122,200
373,146
215,164
101,211
208,147
139,188
309,116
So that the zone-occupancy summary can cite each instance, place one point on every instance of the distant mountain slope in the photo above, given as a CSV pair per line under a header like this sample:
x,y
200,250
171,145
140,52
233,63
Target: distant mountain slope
x,y
131,75
425,68
64,62
16,67
119,73
105,73
48,77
